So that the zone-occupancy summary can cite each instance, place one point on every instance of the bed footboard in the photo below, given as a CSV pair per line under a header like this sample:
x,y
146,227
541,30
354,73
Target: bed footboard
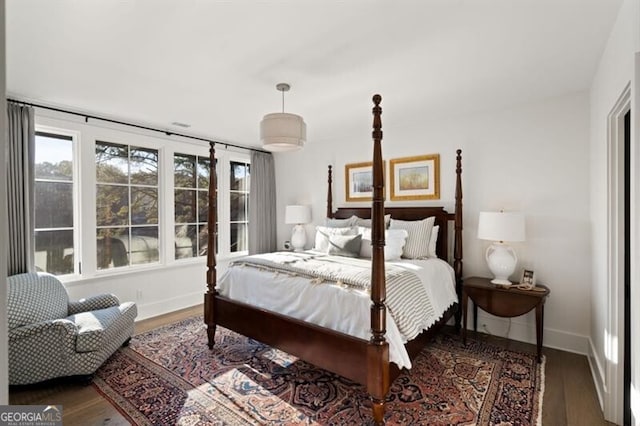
x,y
334,351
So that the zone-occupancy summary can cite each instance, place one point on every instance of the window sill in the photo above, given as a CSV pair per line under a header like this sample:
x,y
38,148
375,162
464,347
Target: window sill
x,y
76,280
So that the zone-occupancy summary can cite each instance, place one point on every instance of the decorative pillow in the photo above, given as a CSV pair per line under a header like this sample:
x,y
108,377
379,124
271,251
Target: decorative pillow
x,y
433,240
344,245
367,222
340,223
417,245
323,233
394,242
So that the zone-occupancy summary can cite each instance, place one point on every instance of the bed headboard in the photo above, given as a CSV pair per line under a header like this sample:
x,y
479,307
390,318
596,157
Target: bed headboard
x,y
409,213
416,213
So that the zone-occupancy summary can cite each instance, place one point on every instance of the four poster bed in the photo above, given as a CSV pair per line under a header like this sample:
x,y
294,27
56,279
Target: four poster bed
x,y
364,359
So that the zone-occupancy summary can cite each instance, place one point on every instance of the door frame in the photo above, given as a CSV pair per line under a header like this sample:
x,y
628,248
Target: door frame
x,y
614,342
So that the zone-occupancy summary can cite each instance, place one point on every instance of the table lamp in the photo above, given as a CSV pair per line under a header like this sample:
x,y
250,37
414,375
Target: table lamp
x,y
500,227
298,215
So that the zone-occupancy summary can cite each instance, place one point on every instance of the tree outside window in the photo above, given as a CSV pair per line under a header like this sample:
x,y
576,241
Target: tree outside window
x,y
126,205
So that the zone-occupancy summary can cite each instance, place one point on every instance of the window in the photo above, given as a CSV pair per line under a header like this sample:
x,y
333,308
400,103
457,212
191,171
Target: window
x,y
126,205
117,200
191,202
239,206
54,203
191,182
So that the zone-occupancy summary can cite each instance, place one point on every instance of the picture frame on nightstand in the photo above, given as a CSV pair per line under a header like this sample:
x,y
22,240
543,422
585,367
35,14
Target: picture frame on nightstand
x,y
528,277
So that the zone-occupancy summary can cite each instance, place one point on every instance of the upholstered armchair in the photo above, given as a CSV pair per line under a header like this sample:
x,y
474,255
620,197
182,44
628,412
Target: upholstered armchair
x,y
50,336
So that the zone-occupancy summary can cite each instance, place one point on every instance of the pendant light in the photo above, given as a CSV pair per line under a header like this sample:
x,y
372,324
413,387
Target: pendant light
x,y
281,131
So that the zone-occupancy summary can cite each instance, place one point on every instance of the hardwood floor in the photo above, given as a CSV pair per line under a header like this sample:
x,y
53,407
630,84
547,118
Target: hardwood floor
x,y
569,396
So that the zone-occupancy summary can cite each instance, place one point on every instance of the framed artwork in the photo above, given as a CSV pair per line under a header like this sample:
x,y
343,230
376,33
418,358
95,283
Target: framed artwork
x,y
415,178
528,277
358,178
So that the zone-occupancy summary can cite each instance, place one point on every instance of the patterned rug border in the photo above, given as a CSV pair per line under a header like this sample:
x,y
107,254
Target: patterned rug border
x,y
111,396
199,396
541,380
225,415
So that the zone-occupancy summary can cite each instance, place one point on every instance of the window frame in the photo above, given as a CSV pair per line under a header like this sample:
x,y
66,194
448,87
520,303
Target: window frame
x,y
130,226
225,210
246,192
76,187
224,158
197,190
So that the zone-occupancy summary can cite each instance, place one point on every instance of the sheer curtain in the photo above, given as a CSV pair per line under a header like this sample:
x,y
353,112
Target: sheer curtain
x,y
262,204
20,188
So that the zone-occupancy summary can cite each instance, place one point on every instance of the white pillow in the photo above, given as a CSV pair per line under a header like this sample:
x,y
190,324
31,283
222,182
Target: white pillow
x,y
340,223
417,245
395,240
323,233
433,240
367,222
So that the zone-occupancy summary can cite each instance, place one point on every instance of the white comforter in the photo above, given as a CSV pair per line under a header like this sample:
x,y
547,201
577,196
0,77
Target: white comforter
x,y
336,307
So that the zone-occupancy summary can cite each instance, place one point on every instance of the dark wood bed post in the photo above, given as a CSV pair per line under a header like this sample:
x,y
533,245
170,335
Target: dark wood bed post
x,y
378,348
457,247
210,295
329,196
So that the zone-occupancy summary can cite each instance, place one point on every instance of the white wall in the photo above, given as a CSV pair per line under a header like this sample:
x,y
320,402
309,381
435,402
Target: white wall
x,y
615,71
532,158
4,376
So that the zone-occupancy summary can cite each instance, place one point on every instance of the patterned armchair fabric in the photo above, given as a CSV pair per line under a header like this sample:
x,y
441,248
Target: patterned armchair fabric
x,y
50,337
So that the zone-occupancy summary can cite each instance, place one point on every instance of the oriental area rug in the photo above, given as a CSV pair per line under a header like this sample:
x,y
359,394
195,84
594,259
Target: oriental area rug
x,y
168,376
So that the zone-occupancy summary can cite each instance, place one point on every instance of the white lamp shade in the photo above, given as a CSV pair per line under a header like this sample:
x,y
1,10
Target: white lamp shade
x,y
282,131
501,226
297,214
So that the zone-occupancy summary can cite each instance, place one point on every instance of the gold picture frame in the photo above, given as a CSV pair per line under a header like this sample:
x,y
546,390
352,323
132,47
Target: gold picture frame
x,y
415,178
358,180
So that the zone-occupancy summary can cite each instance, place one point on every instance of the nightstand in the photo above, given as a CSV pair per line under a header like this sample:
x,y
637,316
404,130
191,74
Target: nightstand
x,y
503,302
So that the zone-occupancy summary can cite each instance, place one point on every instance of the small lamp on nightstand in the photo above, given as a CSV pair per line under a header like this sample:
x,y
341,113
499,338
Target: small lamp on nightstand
x,y
298,215
500,227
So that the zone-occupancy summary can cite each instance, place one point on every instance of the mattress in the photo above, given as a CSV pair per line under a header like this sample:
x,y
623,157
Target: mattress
x,y
338,307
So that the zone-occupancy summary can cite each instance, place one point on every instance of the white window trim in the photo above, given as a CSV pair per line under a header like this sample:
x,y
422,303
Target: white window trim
x,y
77,225
240,159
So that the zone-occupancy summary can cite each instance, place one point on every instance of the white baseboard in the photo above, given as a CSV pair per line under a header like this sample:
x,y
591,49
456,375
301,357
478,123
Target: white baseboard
x,y
169,305
525,331
597,372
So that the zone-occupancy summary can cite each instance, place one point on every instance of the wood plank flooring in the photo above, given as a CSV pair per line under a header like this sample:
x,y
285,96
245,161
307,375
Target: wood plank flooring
x,y
569,398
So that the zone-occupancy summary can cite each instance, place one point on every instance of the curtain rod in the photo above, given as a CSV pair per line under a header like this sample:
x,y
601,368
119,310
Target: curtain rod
x,y
124,123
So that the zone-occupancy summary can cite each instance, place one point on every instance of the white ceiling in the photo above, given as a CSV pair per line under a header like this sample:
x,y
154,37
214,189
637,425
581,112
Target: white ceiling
x,y
215,64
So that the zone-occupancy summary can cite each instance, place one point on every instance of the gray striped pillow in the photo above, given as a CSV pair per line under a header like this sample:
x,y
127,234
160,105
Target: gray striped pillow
x,y
417,245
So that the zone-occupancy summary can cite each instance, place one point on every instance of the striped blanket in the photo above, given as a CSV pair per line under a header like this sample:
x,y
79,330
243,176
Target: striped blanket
x,y
407,300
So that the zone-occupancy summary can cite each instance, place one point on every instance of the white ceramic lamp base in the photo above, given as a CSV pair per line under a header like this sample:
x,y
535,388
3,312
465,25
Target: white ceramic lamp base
x,y
298,238
502,261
